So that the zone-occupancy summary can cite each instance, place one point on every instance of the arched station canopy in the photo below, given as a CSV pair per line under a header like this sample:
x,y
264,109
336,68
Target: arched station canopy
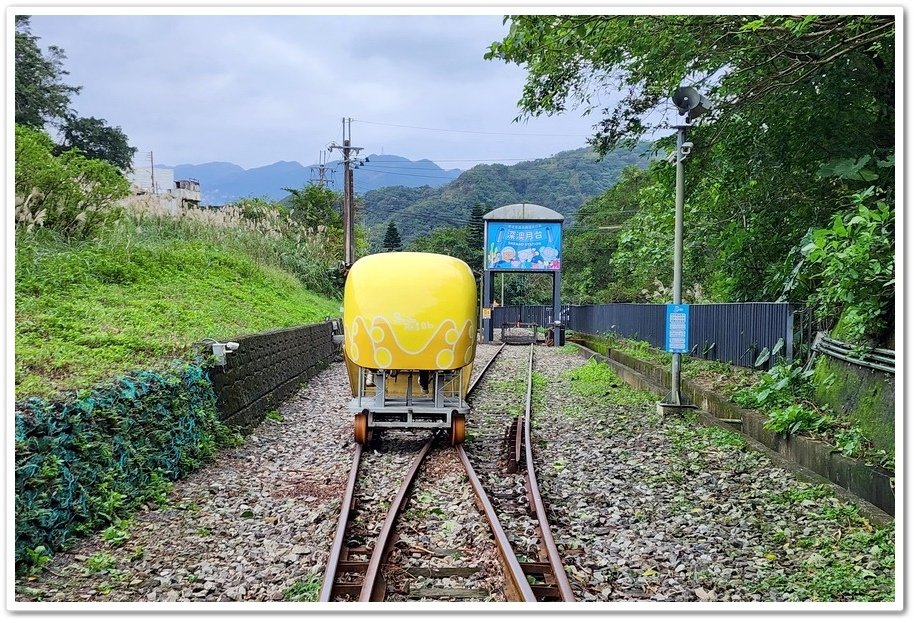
x,y
523,212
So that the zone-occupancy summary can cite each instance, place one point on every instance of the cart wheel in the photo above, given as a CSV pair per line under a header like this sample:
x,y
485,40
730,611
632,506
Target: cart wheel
x,y
361,428
457,430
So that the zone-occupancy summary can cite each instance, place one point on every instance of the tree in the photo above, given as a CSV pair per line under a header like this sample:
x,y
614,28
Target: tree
x,y
314,205
41,97
97,140
592,238
803,118
475,225
475,235
445,240
69,194
392,238
747,61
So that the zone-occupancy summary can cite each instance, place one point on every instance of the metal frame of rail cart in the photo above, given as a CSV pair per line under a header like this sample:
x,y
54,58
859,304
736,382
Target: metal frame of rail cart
x,y
413,409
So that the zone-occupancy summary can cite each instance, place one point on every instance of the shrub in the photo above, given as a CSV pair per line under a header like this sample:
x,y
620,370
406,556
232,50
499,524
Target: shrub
x,y
854,261
254,227
90,459
795,419
69,194
781,386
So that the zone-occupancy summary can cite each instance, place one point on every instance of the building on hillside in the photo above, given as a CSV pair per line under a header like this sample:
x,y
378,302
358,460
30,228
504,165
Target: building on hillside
x,y
160,186
152,180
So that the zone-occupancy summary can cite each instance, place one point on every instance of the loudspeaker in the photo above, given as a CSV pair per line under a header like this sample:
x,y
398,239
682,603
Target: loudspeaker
x,y
686,99
702,107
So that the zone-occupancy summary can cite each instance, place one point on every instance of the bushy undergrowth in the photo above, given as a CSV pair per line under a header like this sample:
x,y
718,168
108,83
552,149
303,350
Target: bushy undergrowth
x,y
91,458
69,194
254,228
785,394
105,284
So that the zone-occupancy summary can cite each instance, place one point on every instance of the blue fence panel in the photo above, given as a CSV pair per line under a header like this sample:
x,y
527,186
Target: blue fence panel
x,y
736,333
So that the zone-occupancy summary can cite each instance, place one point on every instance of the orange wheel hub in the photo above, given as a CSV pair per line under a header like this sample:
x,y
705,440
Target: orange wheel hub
x,y
361,428
457,430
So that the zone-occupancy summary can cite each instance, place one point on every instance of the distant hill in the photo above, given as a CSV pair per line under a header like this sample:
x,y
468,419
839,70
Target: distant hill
x,y
224,182
562,182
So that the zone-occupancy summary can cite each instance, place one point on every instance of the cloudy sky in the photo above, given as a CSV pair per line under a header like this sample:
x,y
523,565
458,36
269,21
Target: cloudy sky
x,y
255,89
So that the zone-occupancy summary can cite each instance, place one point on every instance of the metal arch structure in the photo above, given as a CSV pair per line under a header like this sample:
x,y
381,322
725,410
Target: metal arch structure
x,y
520,238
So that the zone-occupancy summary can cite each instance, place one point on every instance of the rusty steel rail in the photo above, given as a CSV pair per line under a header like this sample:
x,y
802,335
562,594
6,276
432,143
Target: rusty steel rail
x,y
551,564
335,564
473,385
555,586
517,586
374,584
338,559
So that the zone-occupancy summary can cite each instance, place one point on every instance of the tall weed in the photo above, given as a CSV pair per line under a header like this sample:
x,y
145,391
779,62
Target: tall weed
x,y
260,230
70,194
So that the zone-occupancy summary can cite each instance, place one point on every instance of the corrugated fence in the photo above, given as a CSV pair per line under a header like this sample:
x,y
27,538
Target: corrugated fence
x,y
736,333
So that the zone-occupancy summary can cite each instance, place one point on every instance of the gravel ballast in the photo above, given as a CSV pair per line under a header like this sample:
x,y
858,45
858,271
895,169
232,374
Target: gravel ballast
x,y
644,508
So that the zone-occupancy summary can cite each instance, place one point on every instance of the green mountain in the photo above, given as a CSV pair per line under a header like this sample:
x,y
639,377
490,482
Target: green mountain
x,y
562,182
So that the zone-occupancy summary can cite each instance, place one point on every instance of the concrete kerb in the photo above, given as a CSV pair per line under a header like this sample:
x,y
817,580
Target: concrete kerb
x,y
867,487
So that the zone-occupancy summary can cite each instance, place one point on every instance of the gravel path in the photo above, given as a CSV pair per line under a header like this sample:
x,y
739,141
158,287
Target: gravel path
x,y
648,508
248,526
644,508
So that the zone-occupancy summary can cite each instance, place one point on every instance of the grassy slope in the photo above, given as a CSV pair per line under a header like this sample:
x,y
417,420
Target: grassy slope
x,y
87,312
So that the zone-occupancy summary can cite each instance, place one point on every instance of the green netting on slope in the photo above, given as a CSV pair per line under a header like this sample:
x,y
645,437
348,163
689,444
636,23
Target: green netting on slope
x,y
95,455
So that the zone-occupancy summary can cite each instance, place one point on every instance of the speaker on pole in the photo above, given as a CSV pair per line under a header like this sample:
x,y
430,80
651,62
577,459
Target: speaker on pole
x,y
686,99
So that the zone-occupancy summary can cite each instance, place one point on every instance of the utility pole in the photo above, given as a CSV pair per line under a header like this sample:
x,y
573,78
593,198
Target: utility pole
x,y
678,253
346,148
348,199
322,168
152,174
677,327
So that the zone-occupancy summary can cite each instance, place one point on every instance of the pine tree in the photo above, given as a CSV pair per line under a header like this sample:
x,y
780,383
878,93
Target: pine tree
x,y
475,226
475,236
392,240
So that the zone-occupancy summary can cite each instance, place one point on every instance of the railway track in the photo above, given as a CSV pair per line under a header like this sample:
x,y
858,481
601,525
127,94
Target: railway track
x,y
360,566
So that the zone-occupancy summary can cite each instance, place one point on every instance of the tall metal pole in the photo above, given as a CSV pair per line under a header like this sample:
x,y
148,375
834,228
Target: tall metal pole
x,y
348,203
347,211
678,255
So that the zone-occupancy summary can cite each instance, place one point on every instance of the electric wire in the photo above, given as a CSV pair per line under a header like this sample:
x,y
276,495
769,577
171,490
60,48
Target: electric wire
x,y
414,127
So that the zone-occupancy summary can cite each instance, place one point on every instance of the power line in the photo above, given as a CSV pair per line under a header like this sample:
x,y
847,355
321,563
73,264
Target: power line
x,y
414,127
433,177
414,167
483,161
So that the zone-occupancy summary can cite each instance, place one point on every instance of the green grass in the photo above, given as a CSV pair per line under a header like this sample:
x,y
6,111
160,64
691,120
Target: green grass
x,y
855,564
89,311
100,561
598,381
304,590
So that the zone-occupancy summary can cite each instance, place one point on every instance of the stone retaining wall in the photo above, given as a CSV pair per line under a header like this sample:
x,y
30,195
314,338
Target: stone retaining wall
x,y
267,368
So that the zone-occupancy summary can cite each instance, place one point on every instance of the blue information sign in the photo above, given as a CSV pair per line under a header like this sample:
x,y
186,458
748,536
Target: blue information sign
x,y
677,328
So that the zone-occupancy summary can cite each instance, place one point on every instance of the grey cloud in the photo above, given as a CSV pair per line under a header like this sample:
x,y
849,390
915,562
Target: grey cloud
x,y
257,89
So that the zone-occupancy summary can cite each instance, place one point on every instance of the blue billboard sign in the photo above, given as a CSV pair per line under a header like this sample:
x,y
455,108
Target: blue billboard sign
x,y
677,328
525,245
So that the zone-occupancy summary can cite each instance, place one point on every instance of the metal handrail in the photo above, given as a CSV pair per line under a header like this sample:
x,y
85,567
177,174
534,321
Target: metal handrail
x,y
879,359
